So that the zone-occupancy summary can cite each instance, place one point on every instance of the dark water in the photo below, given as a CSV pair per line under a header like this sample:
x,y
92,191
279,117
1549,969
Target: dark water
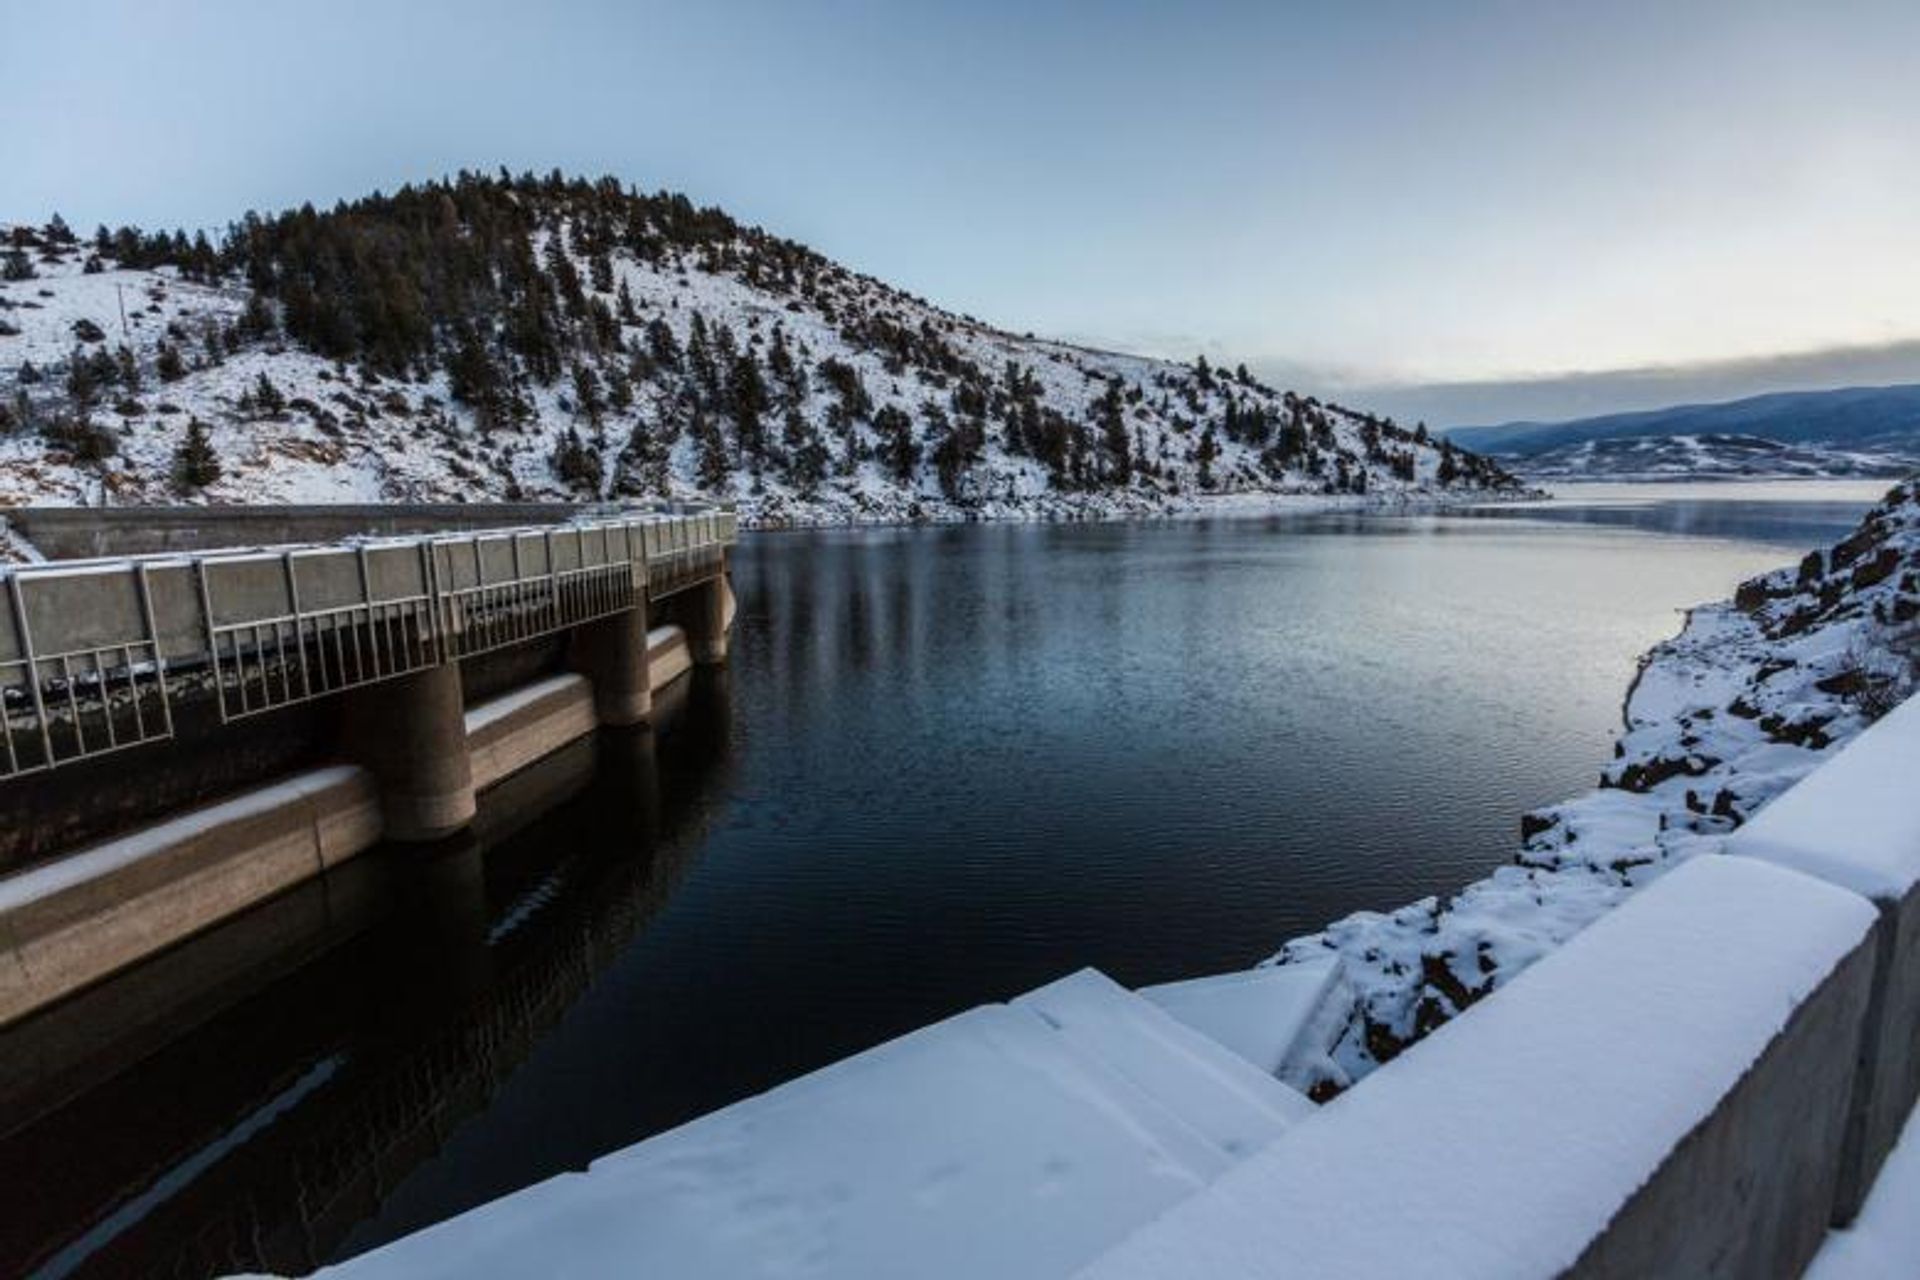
x,y
944,766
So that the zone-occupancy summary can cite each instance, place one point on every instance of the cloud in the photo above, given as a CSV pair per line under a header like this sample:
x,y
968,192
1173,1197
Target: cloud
x,y
1578,394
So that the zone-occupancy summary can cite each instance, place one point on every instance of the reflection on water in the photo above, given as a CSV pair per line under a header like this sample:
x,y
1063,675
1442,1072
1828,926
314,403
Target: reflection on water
x,y
946,765
1797,515
262,1137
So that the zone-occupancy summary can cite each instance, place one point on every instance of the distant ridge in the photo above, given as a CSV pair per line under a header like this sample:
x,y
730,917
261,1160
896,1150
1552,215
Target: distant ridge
x,y
1885,419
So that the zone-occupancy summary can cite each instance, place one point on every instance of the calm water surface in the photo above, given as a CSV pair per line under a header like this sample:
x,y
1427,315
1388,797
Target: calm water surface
x,y
945,765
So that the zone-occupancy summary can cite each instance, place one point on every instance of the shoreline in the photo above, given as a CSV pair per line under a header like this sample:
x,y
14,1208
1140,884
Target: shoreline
x,y
1211,506
1750,695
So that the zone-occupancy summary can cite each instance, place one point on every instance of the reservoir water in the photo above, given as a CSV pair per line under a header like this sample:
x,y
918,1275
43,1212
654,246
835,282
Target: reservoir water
x,y
945,765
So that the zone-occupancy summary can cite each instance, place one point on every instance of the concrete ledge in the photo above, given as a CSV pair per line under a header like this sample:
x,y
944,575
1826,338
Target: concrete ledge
x,y
1664,1096
1854,822
74,921
668,657
510,733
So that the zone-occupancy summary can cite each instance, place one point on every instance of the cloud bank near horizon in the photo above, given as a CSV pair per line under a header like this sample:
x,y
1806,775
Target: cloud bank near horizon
x,y
1558,397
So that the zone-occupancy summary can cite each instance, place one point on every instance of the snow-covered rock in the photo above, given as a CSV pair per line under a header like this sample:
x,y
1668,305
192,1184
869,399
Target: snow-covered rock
x,y
1747,700
1511,1141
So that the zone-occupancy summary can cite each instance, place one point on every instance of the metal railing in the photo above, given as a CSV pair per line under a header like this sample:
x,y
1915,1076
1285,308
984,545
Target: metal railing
x,y
95,654
264,663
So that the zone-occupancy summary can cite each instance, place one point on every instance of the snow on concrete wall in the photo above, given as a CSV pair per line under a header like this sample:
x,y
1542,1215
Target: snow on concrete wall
x,y
1541,1129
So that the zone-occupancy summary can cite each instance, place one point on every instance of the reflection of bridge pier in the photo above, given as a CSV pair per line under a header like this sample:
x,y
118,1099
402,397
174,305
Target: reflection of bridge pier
x,y
461,957
238,680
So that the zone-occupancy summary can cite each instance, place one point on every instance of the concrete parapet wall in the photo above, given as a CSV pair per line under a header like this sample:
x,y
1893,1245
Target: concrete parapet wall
x,y
70,922
1665,1096
1855,822
71,533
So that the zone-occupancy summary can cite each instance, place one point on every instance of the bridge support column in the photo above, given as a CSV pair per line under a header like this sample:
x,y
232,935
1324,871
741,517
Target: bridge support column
x,y
708,612
412,733
612,654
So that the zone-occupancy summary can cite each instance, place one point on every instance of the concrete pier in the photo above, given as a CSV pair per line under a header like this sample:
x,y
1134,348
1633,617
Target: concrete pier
x,y
709,611
612,655
412,734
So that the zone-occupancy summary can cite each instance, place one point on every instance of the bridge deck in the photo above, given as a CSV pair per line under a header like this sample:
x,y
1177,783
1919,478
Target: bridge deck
x,y
95,654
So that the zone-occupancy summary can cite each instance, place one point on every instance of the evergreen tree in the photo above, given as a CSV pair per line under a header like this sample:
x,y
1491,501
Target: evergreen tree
x,y
267,399
577,466
256,322
662,345
83,381
806,456
1206,453
715,468
1110,416
747,401
586,393
642,467
168,364
195,464
899,451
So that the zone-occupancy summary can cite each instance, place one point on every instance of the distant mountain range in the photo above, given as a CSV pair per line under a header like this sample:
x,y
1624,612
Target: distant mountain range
x,y
1851,431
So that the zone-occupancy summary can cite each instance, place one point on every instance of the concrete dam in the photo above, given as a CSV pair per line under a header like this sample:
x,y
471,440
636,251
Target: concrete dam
x,y
189,727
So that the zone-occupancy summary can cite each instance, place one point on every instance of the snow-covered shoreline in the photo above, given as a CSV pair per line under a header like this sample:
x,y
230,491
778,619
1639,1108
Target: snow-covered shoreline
x,y
1749,697
1064,509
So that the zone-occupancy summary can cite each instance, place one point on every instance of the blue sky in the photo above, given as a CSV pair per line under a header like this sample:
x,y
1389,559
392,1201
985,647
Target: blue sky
x,y
1540,205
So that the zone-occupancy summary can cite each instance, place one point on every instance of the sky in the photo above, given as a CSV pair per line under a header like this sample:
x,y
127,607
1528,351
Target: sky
x,y
1455,211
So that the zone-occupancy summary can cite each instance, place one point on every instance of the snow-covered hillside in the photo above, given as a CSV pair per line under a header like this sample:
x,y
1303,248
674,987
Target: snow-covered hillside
x,y
536,338
1710,456
1749,698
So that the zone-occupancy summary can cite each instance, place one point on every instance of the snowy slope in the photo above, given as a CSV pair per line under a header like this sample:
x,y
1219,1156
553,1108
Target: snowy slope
x,y
348,430
1749,698
1709,456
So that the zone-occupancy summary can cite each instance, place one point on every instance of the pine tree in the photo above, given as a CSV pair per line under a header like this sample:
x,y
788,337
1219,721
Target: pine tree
x,y
195,464
256,323
83,381
715,467
747,401
806,456
662,345
586,393
1110,416
577,466
642,467
267,399
1206,453
168,364
898,449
